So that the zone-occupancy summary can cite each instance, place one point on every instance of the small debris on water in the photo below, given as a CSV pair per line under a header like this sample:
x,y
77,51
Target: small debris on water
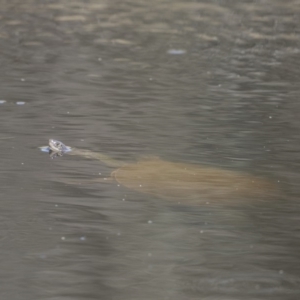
x,y
149,254
63,238
176,51
82,238
119,233
99,59
20,103
270,117
56,205
150,222
123,199
140,185
2,101
22,79
281,272
201,231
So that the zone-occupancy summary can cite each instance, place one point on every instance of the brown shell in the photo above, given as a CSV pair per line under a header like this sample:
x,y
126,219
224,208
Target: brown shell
x,y
190,183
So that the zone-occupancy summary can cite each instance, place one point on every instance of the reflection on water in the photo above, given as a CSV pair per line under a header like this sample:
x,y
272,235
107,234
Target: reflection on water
x,y
194,83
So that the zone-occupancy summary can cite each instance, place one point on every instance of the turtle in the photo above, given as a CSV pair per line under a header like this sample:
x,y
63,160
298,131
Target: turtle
x,y
181,182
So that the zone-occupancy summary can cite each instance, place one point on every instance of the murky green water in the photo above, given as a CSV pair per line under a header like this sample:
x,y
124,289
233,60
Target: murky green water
x,y
201,82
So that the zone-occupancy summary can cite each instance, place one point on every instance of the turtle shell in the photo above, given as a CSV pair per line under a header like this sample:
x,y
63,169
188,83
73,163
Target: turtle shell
x,y
189,183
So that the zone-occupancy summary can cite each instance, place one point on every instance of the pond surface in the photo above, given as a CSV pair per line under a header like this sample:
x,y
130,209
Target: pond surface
x,y
211,83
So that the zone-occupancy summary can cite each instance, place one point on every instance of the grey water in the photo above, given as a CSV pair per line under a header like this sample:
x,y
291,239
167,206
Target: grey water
x,y
200,82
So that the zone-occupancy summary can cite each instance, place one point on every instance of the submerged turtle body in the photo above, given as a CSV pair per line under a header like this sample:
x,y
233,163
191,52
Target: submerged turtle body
x,y
189,183
185,183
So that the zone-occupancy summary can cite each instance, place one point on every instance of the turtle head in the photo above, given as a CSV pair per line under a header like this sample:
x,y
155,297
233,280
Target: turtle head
x,y
57,146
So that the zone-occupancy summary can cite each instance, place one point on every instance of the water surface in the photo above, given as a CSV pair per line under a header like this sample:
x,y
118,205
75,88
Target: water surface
x,y
214,83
